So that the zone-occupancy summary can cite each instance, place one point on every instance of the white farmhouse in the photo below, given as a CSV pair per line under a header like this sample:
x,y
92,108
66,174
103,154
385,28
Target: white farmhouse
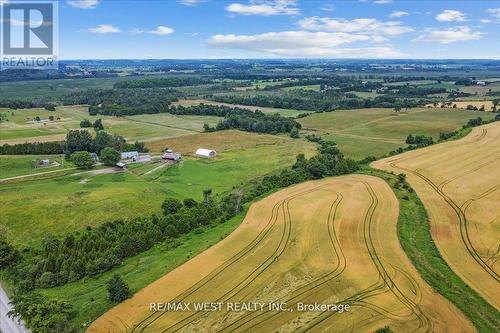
x,y
206,152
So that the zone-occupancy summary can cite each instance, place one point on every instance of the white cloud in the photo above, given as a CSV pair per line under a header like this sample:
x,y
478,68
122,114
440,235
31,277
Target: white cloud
x,y
161,30
365,25
495,12
398,13
83,4
190,2
450,15
327,8
32,23
104,29
451,35
265,8
303,44
485,21
382,2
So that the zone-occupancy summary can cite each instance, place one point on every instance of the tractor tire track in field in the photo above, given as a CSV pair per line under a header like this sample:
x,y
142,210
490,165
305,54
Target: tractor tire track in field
x,y
321,241
271,222
464,232
359,299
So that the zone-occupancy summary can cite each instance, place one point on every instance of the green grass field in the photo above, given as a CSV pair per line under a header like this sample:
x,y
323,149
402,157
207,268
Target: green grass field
x,y
20,128
364,132
32,209
17,165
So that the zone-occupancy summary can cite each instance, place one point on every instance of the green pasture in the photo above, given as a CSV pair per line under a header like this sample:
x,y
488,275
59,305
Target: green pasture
x,y
364,132
17,165
19,126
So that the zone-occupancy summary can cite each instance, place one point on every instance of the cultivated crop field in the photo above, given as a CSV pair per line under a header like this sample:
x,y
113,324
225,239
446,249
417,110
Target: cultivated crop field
x,y
327,241
459,184
363,132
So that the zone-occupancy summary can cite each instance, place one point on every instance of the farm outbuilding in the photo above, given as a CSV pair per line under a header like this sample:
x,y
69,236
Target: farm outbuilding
x,y
129,154
142,159
121,165
206,152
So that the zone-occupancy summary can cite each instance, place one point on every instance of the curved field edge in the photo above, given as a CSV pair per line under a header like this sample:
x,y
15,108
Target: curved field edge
x,y
414,233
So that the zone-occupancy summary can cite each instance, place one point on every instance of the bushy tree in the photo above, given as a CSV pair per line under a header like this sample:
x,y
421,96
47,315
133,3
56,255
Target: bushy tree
x,y
41,314
79,140
98,125
85,123
294,133
82,159
109,156
118,290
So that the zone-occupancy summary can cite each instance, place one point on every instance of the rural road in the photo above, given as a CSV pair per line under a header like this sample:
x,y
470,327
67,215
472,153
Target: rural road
x,y
8,325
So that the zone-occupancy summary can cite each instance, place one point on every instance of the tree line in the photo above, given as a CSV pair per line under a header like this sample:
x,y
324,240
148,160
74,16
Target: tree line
x,y
326,101
76,140
239,118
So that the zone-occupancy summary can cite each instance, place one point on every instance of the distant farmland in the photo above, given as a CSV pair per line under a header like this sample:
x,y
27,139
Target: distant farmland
x,y
364,132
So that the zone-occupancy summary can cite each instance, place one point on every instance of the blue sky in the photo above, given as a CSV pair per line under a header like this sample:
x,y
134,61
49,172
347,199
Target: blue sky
x,y
103,29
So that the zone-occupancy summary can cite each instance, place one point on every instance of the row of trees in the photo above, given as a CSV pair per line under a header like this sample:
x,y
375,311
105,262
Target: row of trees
x,y
76,140
162,82
238,118
326,101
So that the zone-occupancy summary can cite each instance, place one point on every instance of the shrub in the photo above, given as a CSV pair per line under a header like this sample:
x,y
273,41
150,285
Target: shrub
x,y
118,290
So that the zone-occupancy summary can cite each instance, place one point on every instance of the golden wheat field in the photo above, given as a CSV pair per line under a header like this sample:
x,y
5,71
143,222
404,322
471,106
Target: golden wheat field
x,y
331,241
459,184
